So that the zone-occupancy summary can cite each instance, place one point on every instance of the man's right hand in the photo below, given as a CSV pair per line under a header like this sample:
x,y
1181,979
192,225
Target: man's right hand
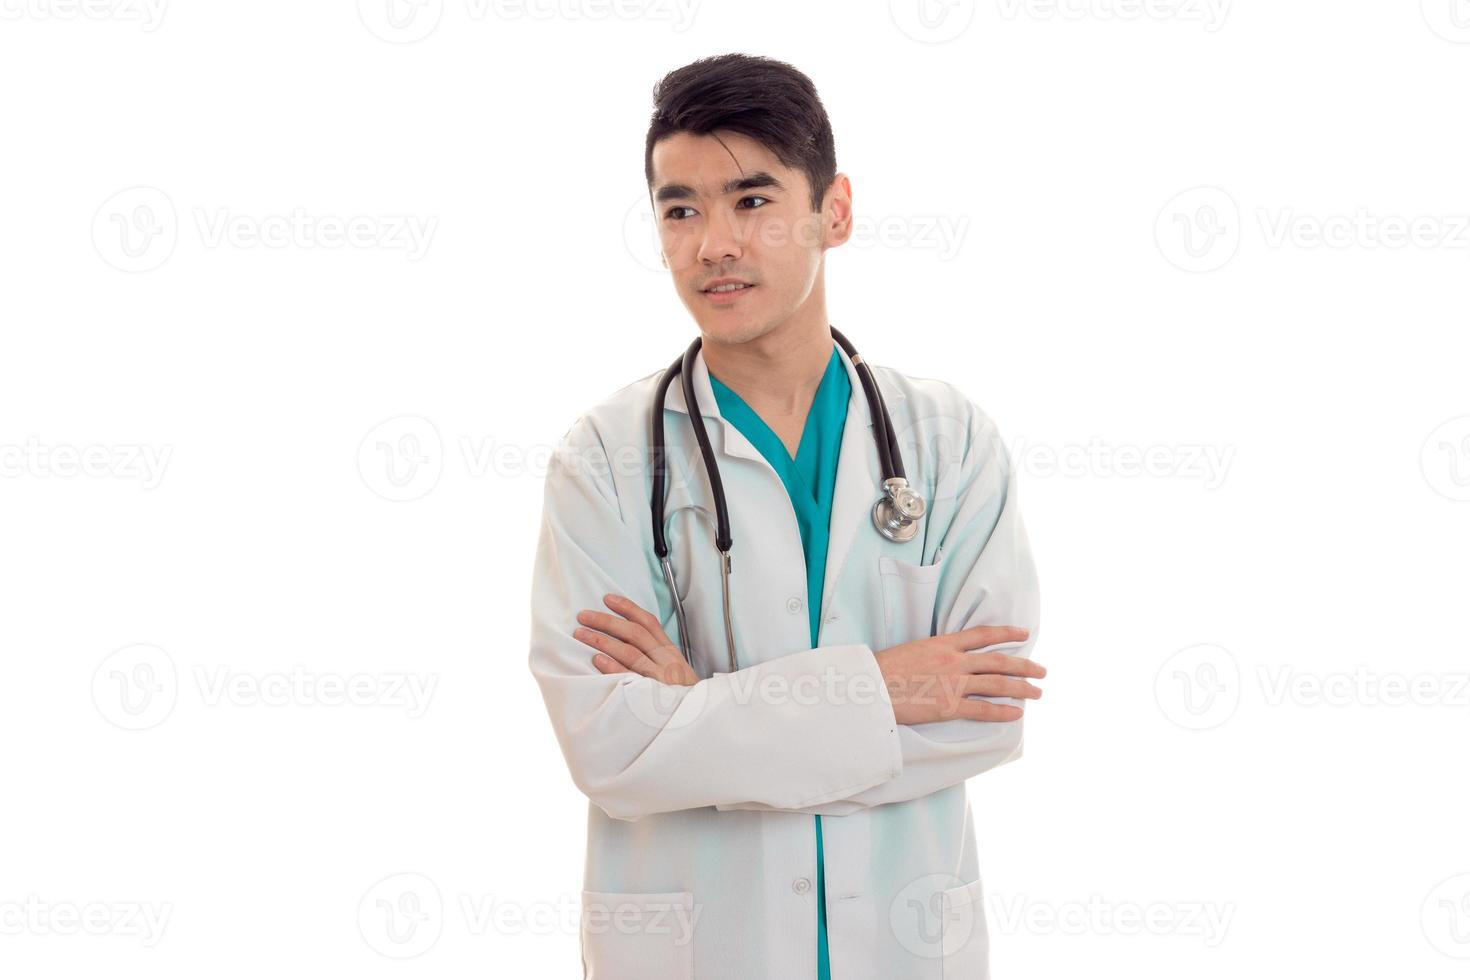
x,y
929,679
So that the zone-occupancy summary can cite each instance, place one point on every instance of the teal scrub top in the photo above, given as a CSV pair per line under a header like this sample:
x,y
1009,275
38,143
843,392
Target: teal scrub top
x,y
809,480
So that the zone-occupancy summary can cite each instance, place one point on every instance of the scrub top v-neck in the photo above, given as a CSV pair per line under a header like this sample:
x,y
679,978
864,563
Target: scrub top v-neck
x,y
810,479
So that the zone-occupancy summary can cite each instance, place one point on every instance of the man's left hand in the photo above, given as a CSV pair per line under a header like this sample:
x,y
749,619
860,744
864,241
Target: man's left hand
x,y
632,641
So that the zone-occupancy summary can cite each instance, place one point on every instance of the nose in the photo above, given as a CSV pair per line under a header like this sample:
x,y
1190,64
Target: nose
x,y
721,240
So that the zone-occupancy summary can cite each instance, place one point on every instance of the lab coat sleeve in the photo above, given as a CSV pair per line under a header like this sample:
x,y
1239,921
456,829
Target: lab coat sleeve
x,y
988,579
636,746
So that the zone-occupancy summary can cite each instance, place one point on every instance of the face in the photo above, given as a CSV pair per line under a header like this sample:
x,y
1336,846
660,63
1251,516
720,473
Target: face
x,y
726,208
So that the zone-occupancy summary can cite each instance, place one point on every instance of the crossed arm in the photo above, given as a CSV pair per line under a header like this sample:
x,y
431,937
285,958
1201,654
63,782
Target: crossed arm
x,y
628,711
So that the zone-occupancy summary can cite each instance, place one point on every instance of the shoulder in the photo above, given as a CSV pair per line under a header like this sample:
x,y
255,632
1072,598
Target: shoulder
x,y
929,402
619,418
937,420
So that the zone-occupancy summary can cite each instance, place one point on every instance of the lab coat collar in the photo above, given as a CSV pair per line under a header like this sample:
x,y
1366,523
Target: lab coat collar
x,y
858,475
735,444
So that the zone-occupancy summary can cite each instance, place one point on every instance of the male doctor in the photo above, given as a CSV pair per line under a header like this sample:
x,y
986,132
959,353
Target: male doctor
x,y
803,815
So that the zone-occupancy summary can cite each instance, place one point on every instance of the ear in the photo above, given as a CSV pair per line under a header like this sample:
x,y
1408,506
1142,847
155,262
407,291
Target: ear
x,y
840,196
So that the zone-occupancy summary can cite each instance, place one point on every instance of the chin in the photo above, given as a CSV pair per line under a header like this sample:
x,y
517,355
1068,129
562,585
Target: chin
x,y
734,333
728,326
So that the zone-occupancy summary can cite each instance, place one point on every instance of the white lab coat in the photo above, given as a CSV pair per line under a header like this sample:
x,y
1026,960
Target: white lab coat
x,y
701,850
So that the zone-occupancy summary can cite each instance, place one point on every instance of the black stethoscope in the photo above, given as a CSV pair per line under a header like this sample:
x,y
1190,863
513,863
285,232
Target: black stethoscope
x,y
896,513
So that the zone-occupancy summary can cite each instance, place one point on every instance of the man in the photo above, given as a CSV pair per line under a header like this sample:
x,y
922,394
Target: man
x,y
804,813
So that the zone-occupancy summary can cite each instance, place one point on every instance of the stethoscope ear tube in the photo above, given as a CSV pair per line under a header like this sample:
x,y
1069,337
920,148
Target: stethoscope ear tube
x,y
889,461
673,585
660,464
684,368
691,401
723,540
895,458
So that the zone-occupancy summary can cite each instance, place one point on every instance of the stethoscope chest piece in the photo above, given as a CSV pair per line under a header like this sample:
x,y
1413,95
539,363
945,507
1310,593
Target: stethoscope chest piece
x,y
896,514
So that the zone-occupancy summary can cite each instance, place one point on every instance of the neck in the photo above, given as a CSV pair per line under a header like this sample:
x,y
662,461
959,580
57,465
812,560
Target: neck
x,y
779,372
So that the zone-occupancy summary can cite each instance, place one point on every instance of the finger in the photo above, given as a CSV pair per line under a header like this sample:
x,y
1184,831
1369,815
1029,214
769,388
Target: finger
x,y
619,627
983,636
989,711
672,674
624,606
663,650
626,654
608,665
993,662
999,685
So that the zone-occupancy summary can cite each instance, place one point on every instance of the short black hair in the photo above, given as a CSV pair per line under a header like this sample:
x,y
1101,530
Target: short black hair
x,y
762,98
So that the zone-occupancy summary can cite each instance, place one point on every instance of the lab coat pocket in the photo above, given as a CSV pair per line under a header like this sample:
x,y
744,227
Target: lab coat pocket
x,y
638,935
909,592
966,938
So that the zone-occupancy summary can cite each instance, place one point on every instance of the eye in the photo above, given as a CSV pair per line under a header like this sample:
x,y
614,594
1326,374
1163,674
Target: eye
x,y
749,197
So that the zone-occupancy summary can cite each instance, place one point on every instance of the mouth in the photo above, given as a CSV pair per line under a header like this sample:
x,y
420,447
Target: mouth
x,y
727,292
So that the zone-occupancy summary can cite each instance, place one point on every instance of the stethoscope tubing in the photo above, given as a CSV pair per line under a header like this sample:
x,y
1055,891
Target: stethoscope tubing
x,y
885,439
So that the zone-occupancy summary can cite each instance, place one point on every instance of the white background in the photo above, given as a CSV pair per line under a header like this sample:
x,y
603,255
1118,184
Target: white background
x,y
1220,735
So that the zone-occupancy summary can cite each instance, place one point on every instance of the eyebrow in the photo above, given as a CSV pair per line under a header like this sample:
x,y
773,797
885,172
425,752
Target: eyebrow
x,y
676,192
